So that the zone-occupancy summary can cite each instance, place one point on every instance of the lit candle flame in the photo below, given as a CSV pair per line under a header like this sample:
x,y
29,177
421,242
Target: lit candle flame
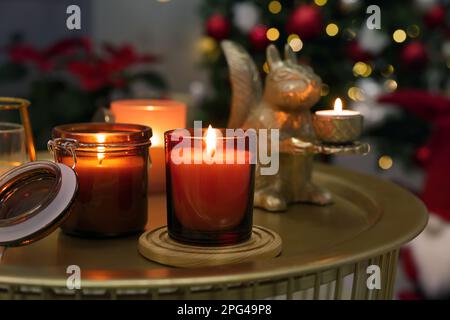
x,y
101,138
157,141
210,141
338,105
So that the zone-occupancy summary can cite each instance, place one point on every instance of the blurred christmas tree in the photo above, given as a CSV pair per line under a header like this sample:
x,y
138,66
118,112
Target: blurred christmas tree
x,y
410,50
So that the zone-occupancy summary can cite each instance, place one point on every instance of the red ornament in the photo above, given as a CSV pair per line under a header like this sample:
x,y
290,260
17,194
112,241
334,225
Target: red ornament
x,y
414,55
258,37
218,27
422,155
435,17
356,53
306,21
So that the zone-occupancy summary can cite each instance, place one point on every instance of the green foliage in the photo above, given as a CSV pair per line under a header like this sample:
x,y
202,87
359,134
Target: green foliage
x,y
400,135
11,72
153,79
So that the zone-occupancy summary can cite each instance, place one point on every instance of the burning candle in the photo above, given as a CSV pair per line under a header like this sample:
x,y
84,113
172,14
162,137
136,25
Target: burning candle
x,y
337,126
161,116
111,164
210,192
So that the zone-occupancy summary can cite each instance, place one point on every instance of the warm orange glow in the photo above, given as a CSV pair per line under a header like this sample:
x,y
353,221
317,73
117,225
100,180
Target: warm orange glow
x,y
101,138
157,141
161,116
338,105
211,141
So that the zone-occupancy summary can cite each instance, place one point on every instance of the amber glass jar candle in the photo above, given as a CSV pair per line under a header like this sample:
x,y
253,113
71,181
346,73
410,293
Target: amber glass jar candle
x,y
111,163
210,187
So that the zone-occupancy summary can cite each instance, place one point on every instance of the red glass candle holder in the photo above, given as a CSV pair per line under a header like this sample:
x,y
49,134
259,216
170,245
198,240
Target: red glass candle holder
x,y
111,162
209,203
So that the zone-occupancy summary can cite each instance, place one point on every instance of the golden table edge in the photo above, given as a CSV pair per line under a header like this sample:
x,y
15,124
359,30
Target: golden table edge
x,y
411,207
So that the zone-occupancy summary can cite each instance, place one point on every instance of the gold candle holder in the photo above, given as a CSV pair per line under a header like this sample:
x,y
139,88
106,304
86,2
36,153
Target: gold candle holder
x,y
338,126
8,103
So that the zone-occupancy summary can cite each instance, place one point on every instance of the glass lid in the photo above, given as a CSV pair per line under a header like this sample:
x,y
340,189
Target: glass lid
x,y
111,133
34,200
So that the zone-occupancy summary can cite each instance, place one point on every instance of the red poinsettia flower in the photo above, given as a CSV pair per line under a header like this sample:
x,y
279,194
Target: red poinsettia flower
x,y
97,73
45,59
24,53
124,57
68,47
93,74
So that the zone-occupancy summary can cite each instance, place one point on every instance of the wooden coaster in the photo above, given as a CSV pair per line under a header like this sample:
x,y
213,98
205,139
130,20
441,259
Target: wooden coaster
x,y
156,245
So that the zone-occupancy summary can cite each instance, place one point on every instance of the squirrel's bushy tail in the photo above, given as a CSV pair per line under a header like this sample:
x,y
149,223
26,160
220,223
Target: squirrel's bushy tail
x,y
245,83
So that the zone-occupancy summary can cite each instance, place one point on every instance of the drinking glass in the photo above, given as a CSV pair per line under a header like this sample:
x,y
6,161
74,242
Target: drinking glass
x,y
12,146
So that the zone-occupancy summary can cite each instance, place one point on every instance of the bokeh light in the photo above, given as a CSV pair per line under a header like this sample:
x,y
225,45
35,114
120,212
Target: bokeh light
x,y
356,94
273,34
296,44
385,162
324,90
362,69
332,29
209,47
275,7
266,67
320,2
388,70
413,31
390,85
399,35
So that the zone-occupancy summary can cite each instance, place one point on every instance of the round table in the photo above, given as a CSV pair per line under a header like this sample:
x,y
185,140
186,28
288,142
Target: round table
x,y
327,253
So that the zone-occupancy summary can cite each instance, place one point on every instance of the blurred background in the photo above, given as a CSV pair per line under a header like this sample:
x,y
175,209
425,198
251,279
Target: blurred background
x,y
396,76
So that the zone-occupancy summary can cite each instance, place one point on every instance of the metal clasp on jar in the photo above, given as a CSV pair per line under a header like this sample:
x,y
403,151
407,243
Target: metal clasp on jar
x,y
64,144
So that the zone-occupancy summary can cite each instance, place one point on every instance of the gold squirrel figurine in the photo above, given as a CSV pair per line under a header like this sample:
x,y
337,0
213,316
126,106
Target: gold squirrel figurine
x,y
291,89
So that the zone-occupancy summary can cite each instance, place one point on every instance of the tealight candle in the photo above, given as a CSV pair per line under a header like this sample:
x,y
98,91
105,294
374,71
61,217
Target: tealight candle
x,y
209,202
337,126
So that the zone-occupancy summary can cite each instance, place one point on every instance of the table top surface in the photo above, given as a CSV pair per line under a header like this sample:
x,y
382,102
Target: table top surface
x,y
369,216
